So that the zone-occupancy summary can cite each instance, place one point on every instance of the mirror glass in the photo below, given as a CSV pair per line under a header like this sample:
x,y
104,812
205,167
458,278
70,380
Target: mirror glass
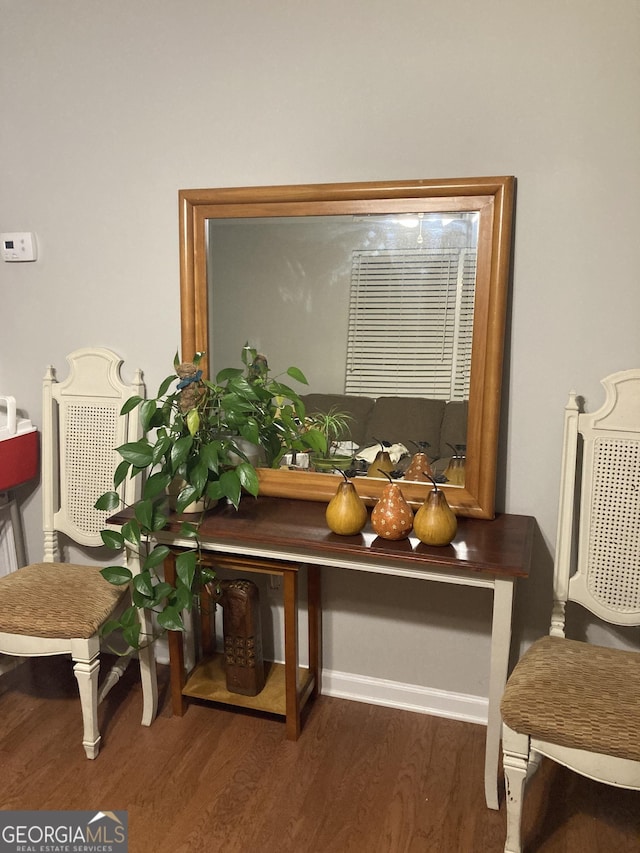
x,y
389,297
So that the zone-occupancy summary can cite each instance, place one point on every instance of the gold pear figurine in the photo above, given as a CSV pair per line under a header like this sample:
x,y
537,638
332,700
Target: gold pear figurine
x,y
435,522
392,517
382,464
346,513
455,470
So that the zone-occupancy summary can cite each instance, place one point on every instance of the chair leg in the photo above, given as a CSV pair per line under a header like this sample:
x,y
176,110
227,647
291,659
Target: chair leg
x,y
515,749
86,669
149,682
148,676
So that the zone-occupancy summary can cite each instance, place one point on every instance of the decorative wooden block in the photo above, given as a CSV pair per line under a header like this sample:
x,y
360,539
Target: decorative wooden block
x,y
244,663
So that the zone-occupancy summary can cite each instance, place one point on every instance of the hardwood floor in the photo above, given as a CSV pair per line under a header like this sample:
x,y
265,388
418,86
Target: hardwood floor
x,y
361,779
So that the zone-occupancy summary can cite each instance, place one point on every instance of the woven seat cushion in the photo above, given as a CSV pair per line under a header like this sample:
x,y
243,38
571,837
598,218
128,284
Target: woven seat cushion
x,y
59,600
578,695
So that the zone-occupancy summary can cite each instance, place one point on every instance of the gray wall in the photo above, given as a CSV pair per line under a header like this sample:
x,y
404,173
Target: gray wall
x,y
110,108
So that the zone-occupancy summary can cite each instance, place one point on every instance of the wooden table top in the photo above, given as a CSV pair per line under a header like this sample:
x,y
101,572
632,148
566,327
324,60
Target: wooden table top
x,y
500,546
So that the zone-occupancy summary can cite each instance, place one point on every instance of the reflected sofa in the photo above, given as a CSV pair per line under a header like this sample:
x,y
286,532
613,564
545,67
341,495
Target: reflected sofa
x,y
401,420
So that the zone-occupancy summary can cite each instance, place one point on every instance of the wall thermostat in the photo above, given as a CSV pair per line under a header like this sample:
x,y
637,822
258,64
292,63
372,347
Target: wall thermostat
x,y
20,246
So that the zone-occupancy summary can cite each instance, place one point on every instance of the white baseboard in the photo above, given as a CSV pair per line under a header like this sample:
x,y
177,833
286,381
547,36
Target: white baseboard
x,y
408,697
393,694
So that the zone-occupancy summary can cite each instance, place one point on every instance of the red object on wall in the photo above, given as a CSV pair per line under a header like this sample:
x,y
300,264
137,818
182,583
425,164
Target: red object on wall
x,y
18,460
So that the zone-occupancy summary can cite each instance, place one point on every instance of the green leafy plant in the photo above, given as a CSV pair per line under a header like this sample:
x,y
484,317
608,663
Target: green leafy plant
x,y
334,425
194,433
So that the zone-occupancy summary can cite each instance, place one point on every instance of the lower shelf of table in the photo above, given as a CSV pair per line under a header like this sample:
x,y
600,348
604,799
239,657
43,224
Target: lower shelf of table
x,y
207,681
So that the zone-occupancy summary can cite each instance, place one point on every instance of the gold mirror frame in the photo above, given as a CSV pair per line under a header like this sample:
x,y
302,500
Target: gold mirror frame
x,y
492,197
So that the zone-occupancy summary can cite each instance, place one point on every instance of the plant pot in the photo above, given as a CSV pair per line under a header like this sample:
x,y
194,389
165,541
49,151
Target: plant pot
x,y
330,463
254,453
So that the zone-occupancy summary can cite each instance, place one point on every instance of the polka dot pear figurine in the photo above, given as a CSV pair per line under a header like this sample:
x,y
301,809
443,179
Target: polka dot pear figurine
x,y
392,517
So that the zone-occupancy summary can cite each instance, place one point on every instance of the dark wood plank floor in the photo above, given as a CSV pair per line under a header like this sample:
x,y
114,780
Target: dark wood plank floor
x,y
361,779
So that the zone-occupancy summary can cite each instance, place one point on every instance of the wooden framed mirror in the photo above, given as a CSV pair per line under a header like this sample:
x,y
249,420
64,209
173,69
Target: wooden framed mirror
x,y
240,219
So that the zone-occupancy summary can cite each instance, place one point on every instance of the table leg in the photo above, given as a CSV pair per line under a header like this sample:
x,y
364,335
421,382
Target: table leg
x,y
207,623
499,667
314,609
292,691
176,651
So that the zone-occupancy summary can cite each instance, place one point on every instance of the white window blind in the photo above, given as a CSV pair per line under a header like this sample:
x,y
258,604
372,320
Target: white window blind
x,y
411,322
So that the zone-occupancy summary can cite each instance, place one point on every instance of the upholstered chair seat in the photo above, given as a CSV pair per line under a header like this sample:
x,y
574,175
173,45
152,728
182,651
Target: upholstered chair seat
x,y
60,600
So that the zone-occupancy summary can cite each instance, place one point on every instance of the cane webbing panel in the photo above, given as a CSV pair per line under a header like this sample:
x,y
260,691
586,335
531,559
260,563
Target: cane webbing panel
x,y
578,695
59,600
613,560
90,460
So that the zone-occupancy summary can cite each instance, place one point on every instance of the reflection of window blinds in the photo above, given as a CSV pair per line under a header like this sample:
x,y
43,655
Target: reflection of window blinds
x,y
411,323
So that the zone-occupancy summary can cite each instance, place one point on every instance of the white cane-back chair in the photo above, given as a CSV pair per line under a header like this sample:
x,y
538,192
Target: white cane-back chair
x,y
56,607
567,699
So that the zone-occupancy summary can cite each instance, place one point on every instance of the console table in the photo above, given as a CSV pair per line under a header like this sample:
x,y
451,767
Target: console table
x,y
282,536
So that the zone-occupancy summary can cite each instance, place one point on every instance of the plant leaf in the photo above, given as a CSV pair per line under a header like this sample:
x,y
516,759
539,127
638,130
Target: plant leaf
x,y
109,627
207,574
166,383
314,440
179,451
143,511
161,591
142,583
108,502
197,476
188,530
183,597
248,478
210,455
186,567
121,473
130,404
141,601
297,374
230,483
147,411
156,484
228,373
193,421
131,531
160,448
129,617
157,556
171,619
215,490
251,431
138,453
186,496
131,635
117,575
112,539
248,354
160,517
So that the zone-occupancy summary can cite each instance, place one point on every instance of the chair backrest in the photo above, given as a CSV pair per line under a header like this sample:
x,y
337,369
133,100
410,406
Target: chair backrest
x,y
81,429
597,560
